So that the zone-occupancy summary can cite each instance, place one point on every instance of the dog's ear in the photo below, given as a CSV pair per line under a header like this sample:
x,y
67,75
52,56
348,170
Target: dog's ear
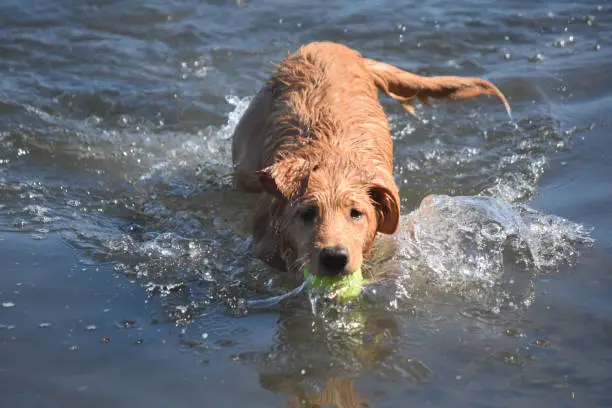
x,y
385,197
405,87
286,178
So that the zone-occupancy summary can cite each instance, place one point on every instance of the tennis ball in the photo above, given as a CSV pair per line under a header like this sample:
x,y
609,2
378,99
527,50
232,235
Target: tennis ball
x,y
343,288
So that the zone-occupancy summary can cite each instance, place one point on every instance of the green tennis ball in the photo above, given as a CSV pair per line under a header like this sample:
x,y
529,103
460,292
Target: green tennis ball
x,y
342,288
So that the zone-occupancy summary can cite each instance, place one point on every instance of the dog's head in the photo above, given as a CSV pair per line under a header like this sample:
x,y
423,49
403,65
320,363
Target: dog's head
x,y
331,209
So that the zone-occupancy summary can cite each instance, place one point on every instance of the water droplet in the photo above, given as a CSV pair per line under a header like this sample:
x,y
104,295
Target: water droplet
x,y
542,343
126,324
536,58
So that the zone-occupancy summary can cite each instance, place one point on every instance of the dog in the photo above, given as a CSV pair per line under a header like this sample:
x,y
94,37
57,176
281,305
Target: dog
x,y
315,145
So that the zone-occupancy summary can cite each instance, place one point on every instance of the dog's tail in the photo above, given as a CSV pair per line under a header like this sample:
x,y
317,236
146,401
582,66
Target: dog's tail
x,y
405,87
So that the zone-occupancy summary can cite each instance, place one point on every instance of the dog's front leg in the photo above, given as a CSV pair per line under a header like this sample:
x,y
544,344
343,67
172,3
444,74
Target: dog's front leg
x,y
266,240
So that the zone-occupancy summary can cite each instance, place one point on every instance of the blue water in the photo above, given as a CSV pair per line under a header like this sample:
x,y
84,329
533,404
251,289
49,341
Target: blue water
x,y
127,272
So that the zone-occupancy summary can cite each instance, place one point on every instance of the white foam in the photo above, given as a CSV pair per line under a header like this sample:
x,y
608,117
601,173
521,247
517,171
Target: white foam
x,y
466,245
209,151
475,244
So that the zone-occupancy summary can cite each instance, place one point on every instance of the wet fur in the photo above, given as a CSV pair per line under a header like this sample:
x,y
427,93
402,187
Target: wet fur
x,y
316,134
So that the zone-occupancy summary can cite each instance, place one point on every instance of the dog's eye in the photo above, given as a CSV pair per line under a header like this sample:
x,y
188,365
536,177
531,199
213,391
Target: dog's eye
x,y
356,214
308,214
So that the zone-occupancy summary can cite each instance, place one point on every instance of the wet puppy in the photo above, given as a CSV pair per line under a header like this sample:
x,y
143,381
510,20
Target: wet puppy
x,y
315,144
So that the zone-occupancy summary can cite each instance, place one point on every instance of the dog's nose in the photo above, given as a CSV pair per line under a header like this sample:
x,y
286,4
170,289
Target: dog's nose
x,y
334,259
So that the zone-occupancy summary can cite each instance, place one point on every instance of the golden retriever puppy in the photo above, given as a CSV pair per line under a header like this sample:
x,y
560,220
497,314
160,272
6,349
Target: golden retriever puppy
x,y
315,144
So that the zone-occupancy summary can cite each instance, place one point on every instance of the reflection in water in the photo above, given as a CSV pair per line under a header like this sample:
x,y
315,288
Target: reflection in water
x,y
316,359
337,392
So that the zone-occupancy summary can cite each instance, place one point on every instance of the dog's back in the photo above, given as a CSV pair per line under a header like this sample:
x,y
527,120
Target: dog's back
x,y
325,92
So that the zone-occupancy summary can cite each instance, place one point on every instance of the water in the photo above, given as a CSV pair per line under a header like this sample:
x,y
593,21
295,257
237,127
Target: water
x,y
128,279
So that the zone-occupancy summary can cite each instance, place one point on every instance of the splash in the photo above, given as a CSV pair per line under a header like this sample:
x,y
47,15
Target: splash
x,y
166,231
473,246
206,156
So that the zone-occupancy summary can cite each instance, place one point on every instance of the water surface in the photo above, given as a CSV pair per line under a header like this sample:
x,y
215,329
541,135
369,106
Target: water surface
x,y
127,271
